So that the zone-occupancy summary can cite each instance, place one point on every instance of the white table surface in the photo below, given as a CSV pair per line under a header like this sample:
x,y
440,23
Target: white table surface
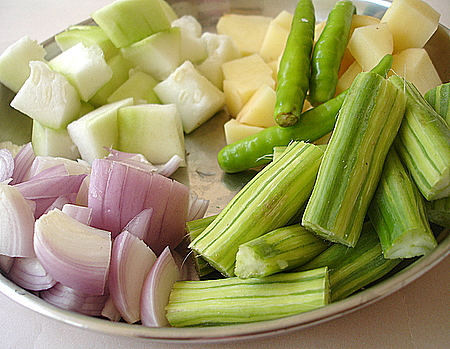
x,y
417,316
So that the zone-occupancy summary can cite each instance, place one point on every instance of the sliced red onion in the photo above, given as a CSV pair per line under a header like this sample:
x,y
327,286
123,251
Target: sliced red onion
x,y
16,223
50,186
83,192
132,159
130,263
139,224
173,222
156,290
74,254
70,299
112,199
22,163
186,264
134,195
41,163
118,192
139,161
110,311
59,203
197,208
6,263
170,166
6,165
30,274
53,171
80,213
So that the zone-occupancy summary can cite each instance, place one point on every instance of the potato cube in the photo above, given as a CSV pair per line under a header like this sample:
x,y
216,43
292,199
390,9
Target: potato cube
x,y
347,78
276,36
412,23
370,43
248,31
242,77
415,65
258,111
235,131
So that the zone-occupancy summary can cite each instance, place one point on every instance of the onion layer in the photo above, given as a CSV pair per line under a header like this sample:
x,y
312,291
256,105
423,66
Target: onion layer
x,y
156,290
67,298
130,263
6,164
74,254
30,274
16,223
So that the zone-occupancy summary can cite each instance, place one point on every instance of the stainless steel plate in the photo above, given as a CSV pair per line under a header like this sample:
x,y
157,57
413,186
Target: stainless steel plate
x,y
208,181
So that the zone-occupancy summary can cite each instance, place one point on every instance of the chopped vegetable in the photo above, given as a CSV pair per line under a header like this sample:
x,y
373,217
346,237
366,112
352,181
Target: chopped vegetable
x,y
194,228
423,143
278,250
73,253
294,70
70,299
328,52
439,98
438,211
156,289
131,261
196,98
30,274
48,97
397,213
88,35
366,127
234,300
352,268
265,203
128,21
17,223
15,62
158,54
85,67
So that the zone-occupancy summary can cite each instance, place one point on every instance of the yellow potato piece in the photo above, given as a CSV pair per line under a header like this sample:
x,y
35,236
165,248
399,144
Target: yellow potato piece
x,y
259,109
235,131
411,22
415,65
370,43
247,31
276,36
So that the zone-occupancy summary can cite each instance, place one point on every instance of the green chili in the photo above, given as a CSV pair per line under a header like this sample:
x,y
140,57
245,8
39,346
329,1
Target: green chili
x,y
314,123
294,70
328,52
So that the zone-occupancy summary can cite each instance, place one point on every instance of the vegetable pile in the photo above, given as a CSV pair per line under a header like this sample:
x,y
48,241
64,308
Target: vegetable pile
x,y
349,133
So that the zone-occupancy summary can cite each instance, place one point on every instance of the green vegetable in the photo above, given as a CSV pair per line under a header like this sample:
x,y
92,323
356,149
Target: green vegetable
x,y
88,35
128,21
328,52
352,268
351,167
423,143
397,212
281,249
294,69
234,300
195,228
439,98
314,123
438,211
267,202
